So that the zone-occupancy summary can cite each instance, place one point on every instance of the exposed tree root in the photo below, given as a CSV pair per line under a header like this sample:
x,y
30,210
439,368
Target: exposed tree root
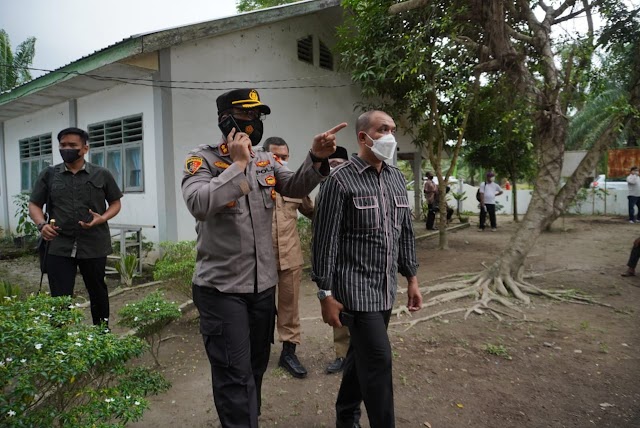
x,y
490,289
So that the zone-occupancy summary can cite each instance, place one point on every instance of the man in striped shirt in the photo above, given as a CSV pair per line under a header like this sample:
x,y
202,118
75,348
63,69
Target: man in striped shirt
x,y
362,238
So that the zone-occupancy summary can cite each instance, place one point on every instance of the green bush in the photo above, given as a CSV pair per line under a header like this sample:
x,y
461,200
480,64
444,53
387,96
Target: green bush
x,y
8,292
56,371
177,263
25,226
149,317
127,267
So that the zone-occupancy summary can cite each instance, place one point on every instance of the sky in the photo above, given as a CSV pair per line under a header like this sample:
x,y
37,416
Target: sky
x,y
67,30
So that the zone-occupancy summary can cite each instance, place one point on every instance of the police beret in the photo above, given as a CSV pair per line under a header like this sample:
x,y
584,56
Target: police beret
x,y
246,98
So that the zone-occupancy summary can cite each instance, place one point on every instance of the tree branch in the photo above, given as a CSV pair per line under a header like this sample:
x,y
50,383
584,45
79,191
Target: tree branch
x,y
587,8
519,36
406,6
560,10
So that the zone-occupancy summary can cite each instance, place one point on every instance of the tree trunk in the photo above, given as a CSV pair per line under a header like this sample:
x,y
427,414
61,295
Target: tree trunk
x,y
514,195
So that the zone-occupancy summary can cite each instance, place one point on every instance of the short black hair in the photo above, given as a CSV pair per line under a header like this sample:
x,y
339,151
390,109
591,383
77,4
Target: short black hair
x,y
274,141
74,131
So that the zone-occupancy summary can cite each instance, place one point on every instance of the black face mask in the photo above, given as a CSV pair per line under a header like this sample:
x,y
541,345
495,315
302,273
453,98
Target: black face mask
x,y
70,155
253,128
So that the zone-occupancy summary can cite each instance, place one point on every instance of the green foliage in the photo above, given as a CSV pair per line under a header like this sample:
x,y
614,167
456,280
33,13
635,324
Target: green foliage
x,y
499,133
177,263
8,292
149,317
56,371
127,267
305,231
14,69
25,226
497,350
249,5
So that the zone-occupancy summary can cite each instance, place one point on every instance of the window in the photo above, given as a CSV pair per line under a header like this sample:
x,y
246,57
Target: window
x,y
117,145
326,57
35,155
305,49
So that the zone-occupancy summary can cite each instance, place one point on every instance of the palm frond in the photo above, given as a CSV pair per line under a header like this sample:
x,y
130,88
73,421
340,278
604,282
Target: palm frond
x,y
23,59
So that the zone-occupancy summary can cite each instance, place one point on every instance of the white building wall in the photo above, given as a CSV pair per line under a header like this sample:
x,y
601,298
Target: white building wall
x,y
50,120
126,100
260,55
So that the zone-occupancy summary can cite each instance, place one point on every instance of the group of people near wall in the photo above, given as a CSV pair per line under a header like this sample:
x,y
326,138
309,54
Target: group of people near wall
x,y
247,285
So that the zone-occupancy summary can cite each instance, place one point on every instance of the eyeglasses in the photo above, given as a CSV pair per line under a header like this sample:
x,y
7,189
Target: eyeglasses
x,y
248,114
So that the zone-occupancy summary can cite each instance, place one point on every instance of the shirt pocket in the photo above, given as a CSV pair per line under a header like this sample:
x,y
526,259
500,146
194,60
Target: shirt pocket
x,y
97,193
367,213
267,182
401,208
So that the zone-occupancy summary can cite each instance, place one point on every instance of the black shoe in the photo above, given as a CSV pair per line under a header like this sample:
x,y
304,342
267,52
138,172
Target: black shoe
x,y
289,361
336,366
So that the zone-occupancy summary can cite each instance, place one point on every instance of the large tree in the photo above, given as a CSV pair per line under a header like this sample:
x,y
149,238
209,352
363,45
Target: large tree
x,y
513,39
404,67
14,67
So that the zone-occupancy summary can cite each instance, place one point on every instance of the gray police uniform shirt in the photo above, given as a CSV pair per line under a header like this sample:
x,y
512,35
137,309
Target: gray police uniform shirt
x,y
233,211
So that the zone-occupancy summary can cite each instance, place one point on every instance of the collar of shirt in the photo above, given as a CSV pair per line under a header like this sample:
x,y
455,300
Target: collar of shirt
x,y
362,165
85,167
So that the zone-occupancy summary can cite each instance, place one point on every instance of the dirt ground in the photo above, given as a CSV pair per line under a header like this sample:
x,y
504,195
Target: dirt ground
x,y
566,365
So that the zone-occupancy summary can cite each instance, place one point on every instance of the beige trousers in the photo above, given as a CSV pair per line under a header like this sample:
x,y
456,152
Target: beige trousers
x,y
288,315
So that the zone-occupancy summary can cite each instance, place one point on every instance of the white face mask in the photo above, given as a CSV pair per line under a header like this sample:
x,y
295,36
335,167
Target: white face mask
x,y
491,180
284,162
384,147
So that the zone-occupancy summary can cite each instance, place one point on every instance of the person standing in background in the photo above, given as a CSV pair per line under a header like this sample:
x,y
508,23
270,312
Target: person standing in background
x,y
633,184
289,261
488,192
83,197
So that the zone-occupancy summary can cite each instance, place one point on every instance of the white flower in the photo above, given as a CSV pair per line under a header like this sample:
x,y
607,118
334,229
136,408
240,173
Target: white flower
x,y
1,363
135,319
109,400
38,346
9,359
127,397
137,403
90,337
11,413
61,353
78,343
7,298
24,360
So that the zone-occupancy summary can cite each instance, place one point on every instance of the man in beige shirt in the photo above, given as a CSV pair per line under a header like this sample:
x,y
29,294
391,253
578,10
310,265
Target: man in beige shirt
x,y
289,260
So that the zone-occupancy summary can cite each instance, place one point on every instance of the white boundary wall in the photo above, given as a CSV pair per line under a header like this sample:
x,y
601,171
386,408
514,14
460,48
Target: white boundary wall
x,y
596,202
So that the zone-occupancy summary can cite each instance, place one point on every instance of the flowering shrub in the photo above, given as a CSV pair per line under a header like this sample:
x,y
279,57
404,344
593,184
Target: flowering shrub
x,y
149,316
56,371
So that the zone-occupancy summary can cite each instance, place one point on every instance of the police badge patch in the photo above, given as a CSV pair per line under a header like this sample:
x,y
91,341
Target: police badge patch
x,y
193,164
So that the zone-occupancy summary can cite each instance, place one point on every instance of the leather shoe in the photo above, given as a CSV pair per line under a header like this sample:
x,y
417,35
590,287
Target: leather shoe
x,y
290,363
336,366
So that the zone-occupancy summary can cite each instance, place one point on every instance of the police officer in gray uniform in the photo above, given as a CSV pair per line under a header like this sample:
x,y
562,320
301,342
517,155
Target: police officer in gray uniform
x,y
230,190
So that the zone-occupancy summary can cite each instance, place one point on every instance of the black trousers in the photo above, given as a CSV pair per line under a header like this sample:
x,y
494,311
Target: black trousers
x,y
431,215
367,373
61,272
634,257
237,329
491,209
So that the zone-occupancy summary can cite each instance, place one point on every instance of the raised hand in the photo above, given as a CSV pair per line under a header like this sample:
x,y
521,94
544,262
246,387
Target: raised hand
x,y
324,144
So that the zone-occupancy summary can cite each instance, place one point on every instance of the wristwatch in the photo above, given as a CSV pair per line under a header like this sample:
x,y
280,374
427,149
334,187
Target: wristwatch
x,y
323,294
41,225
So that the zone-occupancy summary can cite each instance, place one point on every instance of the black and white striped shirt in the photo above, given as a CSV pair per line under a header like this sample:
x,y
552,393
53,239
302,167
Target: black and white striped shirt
x,y
363,235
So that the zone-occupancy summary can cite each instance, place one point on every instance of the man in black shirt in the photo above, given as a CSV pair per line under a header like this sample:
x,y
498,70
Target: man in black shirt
x,y
78,193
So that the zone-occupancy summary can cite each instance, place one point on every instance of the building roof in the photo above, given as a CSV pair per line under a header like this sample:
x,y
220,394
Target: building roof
x,y
129,59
